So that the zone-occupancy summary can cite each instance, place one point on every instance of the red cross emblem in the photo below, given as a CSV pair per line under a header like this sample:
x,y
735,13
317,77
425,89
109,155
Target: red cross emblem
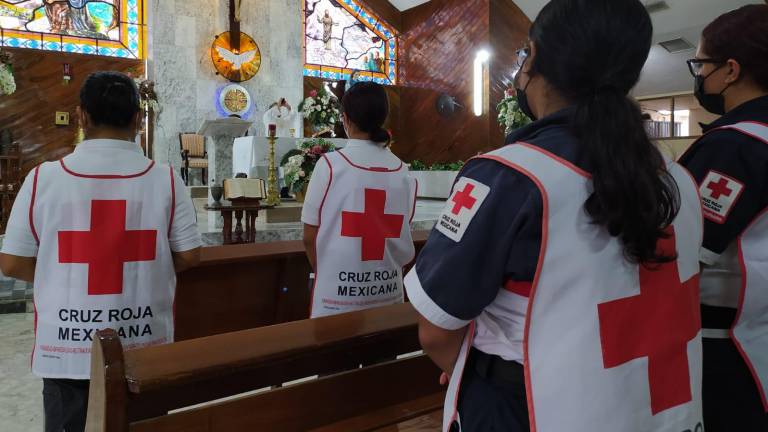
x,y
720,188
657,324
106,247
463,199
373,225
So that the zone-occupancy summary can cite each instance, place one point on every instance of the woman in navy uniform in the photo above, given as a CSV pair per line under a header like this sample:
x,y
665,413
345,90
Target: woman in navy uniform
x,y
730,163
584,183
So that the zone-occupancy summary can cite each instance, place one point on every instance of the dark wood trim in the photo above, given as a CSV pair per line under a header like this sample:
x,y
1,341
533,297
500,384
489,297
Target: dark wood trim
x,y
108,397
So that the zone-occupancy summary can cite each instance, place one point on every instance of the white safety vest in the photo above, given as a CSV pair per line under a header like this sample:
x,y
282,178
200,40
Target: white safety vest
x,y
740,279
608,345
364,238
103,262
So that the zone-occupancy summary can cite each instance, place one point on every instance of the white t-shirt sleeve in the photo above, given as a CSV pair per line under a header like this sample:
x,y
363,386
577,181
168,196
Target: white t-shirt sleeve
x,y
19,239
184,235
318,185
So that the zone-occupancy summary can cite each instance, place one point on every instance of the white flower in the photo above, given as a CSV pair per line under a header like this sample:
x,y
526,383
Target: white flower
x,y
7,82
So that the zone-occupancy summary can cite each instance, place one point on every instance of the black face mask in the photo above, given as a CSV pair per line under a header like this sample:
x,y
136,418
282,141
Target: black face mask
x,y
712,102
522,100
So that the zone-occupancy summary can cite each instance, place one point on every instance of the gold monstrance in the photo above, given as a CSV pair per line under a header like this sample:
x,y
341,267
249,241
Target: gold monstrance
x,y
273,192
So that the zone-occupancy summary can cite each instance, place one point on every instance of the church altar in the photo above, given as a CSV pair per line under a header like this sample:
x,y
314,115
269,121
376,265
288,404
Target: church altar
x,y
250,155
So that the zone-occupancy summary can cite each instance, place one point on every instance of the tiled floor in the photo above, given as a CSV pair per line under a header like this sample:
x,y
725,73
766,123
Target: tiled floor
x,y
21,402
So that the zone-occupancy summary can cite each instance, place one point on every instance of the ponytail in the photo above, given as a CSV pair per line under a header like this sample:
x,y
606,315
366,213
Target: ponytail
x,y
634,197
381,136
592,52
367,106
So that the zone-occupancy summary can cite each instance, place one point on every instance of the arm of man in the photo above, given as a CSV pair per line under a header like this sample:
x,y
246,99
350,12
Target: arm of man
x,y
18,257
456,277
310,236
184,236
17,267
310,213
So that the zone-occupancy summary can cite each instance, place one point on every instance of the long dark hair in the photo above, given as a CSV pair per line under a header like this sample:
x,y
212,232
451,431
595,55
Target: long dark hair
x,y
110,99
592,52
742,35
366,104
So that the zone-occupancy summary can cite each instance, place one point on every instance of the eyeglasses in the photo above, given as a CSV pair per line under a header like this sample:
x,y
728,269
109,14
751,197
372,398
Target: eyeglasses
x,y
522,55
695,65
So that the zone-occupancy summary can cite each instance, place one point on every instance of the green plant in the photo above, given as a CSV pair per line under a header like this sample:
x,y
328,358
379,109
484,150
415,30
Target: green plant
x,y
418,165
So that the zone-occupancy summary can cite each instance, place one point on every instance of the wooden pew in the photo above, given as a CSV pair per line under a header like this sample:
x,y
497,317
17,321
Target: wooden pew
x,y
240,287
134,390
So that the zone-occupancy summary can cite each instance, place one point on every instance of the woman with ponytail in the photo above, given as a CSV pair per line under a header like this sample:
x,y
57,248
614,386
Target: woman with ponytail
x,y
357,213
559,290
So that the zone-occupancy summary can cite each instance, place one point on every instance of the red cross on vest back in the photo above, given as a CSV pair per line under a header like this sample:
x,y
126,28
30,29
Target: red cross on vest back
x,y
720,188
464,199
373,226
106,247
657,324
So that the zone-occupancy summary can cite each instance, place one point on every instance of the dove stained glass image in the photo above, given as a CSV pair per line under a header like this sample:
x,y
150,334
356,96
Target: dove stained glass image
x,y
236,65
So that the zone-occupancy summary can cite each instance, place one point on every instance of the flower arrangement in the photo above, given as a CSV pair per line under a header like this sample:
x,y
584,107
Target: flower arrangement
x,y
322,109
148,100
7,81
299,163
510,115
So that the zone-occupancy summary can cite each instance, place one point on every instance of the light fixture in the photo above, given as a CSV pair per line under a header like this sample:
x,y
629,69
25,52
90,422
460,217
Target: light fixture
x,y
481,59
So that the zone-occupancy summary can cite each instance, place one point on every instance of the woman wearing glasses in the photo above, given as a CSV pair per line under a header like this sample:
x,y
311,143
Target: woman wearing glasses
x,y
730,163
559,287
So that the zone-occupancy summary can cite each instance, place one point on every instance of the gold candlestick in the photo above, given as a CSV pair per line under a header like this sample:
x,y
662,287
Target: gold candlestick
x,y
273,192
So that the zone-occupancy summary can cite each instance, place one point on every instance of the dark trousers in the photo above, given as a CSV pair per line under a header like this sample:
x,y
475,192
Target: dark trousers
x,y
65,403
489,401
731,397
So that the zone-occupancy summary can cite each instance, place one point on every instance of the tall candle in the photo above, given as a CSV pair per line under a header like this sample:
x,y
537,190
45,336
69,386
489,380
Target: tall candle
x,y
272,130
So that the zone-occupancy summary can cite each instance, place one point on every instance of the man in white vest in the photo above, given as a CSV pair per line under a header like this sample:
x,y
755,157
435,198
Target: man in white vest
x,y
101,233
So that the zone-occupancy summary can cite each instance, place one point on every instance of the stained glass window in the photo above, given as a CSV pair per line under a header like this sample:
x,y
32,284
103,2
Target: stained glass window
x,y
342,38
114,28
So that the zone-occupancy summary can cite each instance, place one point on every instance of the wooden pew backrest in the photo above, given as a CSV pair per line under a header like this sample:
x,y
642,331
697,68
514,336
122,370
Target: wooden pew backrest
x,y
239,287
144,383
364,399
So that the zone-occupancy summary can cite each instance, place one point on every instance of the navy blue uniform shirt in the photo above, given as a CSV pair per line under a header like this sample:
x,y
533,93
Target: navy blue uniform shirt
x,y
503,242
742,159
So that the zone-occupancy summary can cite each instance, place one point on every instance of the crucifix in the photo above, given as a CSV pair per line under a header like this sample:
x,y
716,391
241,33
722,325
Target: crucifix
x,y
234,24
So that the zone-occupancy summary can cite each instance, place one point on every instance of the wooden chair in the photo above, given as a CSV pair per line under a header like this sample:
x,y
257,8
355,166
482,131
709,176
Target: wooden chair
x,y
135,390
193,155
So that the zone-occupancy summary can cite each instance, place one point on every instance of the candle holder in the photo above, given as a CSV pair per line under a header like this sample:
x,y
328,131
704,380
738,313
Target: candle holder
x,y
273,192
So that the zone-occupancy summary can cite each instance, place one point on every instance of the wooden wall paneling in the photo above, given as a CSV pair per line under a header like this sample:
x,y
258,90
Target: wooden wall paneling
x,y
439,42
29,113
438,48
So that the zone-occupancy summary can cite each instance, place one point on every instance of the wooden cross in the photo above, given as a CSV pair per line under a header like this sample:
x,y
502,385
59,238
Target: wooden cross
x,y
234,25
